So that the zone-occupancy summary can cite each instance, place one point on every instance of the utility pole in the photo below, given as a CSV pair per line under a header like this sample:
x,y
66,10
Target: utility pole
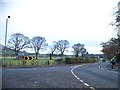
x,y
5,40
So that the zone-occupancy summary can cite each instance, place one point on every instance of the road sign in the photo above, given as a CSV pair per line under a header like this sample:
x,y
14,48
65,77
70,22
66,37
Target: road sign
x,y
28,58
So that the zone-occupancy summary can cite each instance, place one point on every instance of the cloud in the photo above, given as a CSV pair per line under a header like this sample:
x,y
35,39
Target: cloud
x,y
79,21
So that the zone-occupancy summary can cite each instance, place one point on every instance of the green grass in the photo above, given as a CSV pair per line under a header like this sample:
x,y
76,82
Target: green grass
x,y
11,61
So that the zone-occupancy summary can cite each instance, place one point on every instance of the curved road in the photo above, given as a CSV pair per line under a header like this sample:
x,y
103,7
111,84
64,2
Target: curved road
x,y
92,76
96,75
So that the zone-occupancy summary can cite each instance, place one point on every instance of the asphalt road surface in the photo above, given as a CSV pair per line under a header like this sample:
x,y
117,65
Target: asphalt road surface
x,y
90,76
97,75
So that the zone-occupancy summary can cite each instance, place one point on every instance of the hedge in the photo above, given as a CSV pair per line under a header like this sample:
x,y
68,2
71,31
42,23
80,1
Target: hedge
x,y
80,60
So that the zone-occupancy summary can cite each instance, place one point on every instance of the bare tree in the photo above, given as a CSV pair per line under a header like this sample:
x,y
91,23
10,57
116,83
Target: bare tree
x,y
79,49
53,48
18,42
62,45
38,43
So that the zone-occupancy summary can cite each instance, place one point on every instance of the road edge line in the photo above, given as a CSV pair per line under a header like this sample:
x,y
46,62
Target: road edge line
x,y
106,70
86,84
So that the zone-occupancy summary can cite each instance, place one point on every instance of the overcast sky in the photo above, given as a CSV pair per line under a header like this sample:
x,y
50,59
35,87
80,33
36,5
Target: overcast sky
x,y
78,21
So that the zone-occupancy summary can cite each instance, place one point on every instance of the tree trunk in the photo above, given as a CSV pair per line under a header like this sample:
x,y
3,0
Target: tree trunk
x,y
50,56
36,55
16,54
61,56
76,55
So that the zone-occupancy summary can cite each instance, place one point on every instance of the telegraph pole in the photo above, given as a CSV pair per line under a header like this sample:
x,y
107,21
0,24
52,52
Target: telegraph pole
x,y
5,40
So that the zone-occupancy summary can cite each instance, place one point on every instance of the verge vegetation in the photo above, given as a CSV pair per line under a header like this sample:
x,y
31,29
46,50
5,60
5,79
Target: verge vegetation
x,y
11,61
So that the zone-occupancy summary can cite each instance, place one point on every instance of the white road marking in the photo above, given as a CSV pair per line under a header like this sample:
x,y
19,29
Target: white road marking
x,y
106,70
102,68
35,83
114,72
81,81
75,76
99,66
86,84
79,78
92,88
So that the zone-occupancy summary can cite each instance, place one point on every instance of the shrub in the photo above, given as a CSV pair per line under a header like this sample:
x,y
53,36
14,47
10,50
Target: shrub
x,y
72,60
90,60
80,60
86,60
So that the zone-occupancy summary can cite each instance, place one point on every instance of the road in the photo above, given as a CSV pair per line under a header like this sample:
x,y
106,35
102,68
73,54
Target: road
x,y
45,77
97,76
90,76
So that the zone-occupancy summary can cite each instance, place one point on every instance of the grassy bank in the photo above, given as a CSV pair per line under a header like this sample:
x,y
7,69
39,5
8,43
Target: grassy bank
x,y
11,61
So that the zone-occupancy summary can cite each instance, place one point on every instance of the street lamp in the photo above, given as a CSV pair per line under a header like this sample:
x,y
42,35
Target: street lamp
x,y
5,40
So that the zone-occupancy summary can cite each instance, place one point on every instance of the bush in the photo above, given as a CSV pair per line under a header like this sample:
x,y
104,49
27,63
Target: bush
x,y
80,60
90,60
72,60
86,60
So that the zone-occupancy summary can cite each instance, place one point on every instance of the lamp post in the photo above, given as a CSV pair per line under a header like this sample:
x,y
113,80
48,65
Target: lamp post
x,y
5,40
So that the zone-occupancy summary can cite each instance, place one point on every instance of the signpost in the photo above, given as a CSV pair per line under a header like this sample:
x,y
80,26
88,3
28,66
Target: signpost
x,y
28,58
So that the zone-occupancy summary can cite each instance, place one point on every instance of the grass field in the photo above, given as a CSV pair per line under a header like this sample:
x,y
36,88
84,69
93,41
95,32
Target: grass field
x,y
43,61
11,61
